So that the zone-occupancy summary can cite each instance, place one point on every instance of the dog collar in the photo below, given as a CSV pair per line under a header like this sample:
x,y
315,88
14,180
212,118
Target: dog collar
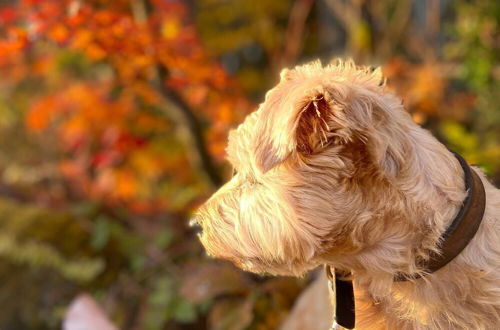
x,y
342,294
456,237
463,227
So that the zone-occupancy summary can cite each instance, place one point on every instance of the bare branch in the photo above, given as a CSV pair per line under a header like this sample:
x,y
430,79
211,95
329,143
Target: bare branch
x,y
294,33
180,112
394,27
344,11
185,117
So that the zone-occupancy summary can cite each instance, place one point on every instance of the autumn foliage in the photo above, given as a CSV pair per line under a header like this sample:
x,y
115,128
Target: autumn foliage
x,y
114,117
109,122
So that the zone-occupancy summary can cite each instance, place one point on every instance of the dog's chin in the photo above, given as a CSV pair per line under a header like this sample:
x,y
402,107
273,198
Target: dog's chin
x,y
266,269
274,268
220,242
257,265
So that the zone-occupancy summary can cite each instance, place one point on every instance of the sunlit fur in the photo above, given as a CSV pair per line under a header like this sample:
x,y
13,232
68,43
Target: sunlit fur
x,y
332,170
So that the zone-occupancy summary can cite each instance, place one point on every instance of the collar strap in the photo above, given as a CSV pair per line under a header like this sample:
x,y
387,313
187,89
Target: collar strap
x,y
456,237
462,229
342,292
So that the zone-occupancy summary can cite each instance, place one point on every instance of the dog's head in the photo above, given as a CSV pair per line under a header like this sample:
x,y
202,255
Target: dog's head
x,y
306,164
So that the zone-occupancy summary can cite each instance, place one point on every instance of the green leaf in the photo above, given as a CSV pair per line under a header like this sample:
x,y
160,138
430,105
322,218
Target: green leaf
x,y
100,233
163,238
184,311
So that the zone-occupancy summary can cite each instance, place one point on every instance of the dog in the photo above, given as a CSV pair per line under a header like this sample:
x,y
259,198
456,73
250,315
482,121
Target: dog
x,y
331,169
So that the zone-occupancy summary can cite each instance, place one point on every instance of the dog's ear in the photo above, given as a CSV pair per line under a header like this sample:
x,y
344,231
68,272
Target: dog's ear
x,y
294,119
312,107
316,122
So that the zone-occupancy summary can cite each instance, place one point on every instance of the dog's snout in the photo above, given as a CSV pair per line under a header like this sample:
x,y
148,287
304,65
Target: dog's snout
x,y
195,225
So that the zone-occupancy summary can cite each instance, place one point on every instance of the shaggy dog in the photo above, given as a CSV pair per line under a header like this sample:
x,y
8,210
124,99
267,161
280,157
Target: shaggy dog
x,y
331,169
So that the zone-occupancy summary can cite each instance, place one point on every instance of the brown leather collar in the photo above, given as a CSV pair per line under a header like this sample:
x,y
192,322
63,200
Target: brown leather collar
x,y
462,229
456,237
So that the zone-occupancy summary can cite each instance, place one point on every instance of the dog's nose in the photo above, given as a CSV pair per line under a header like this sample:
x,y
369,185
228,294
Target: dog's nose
x,y
194,224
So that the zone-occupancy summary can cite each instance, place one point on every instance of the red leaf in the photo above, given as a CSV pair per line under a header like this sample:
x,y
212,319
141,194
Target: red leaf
x,y
8,15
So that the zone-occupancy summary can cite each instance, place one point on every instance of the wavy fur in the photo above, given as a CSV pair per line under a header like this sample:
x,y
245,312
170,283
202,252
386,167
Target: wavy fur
x,y
332,170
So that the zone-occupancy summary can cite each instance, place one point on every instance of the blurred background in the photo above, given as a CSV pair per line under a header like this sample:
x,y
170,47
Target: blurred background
x,y
113,122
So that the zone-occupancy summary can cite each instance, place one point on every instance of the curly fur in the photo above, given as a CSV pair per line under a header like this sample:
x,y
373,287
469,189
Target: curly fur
x,y
332,170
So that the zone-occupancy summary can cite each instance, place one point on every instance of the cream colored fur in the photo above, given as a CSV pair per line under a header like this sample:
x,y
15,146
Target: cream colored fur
x,y
332,170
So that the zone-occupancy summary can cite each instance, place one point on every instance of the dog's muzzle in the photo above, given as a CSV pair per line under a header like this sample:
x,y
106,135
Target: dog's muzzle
x,y
194,224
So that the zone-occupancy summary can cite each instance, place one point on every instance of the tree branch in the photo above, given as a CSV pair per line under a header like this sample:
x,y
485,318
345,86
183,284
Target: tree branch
x,y
180,112
393,27
294,33
344,12
186,118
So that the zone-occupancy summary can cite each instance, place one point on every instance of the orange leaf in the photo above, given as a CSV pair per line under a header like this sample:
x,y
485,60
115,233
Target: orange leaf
x,y
40,114
59,33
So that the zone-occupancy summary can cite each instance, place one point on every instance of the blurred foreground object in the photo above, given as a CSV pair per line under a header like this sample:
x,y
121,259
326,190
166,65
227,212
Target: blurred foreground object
x,y
312,309
85,314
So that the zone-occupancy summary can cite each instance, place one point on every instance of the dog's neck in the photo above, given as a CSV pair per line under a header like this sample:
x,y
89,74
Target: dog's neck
x,y
463,227
431,190
460,230
425,197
